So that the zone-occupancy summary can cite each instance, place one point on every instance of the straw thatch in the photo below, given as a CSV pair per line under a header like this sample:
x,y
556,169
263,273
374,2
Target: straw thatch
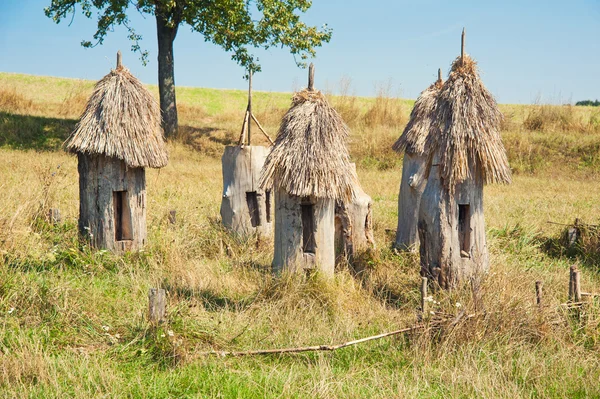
x,y
309,157
121,120
468,119
417,129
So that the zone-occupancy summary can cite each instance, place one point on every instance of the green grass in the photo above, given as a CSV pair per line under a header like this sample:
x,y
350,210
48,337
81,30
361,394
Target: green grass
x,y
73,322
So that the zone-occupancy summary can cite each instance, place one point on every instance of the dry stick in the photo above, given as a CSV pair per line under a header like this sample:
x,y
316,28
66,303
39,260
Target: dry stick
x,y
321,347
249,102
538,293
423,294
261,129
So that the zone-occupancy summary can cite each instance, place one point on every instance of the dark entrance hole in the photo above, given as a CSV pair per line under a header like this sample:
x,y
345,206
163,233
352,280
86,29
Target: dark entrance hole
x,y
123,225
252,201
464,230
309,245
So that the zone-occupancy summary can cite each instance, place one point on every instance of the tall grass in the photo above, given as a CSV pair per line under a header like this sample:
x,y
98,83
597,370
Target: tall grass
x,y
72,319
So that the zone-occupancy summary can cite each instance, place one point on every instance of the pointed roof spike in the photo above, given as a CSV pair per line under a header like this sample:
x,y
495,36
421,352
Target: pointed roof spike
x,y
119,56
439,75
462,46
311,77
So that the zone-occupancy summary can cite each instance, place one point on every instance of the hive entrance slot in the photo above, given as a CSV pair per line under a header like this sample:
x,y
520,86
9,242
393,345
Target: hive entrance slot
x,y
309,244
252,201
464,229
123,225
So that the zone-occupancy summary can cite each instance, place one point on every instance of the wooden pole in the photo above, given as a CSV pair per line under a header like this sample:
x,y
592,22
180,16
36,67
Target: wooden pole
x,y
311,77
538,293
571,282
249,102
172,216
243,133
462,47
439,75
157,300
577,286
262,130
119,59
423,295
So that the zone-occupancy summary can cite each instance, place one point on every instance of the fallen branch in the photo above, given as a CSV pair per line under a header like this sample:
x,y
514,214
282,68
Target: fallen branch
x,y
315,348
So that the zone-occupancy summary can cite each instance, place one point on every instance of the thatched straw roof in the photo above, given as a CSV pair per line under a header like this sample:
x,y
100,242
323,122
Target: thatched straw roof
x,y
417,129
309,157
468,119
121,120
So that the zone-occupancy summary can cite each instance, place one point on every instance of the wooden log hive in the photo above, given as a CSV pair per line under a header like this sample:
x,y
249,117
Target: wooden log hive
x,y
245,208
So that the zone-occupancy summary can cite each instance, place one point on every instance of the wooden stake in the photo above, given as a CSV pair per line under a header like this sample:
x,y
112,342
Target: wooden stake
x,y
311,77
462,47
439,75
53,216
261,129
577,286
249,102
119,59
538,293
423,295
571,282
157,300
172,216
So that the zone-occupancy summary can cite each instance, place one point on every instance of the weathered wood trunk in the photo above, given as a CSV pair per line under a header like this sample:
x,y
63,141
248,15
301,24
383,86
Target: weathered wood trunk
x,y
304,234
409,199
245,208
452,231
112,203
354,225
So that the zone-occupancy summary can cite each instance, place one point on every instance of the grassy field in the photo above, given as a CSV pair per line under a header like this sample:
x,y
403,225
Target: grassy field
x,y
73,319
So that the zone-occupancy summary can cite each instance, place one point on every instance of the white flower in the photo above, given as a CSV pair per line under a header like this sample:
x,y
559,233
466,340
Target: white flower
x,y
429,298
170,333
105,328
458,305
11,310
162,335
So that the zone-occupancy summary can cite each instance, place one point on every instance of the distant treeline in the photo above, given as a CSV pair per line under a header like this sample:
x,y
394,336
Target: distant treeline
x,y
588,103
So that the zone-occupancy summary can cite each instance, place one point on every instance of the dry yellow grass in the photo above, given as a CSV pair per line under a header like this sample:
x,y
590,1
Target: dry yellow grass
x,y
77,325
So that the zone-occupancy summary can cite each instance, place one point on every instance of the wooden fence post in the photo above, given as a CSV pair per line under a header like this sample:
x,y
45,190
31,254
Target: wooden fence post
x,y
157,301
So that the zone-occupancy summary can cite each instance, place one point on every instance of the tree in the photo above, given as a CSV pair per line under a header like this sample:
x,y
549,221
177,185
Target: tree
x,y
230,24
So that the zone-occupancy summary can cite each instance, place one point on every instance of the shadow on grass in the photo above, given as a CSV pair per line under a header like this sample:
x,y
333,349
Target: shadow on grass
x,y
585,252
199,137
211,300
26,132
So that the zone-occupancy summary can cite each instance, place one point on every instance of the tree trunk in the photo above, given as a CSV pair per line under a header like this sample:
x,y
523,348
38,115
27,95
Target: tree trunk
x,y
166,73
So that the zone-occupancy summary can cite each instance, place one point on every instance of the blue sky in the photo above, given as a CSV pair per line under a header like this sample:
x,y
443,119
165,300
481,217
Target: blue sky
x,y
526,49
